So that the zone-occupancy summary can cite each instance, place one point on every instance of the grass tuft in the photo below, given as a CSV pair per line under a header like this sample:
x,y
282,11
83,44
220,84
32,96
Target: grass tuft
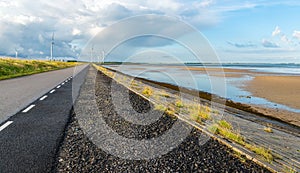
x,y
160,107
224,129
266,153
268,129
179,104
225,124
147,91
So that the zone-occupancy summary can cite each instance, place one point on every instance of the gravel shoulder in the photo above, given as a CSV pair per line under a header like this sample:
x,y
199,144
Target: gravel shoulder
x,y
78,152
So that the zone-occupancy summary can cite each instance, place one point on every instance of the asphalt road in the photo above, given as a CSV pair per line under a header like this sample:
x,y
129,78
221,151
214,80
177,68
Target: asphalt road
x,y
29,140
16,93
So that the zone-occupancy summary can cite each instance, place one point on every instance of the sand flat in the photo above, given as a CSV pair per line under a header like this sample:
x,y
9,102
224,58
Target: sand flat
x,y
279,89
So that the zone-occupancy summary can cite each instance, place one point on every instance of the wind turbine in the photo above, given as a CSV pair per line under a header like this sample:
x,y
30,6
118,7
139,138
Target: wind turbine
x,y
51,48
103,56
92,51
16,51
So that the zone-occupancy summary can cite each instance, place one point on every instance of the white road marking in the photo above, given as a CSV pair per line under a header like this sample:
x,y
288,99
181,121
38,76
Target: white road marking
x,y
52,91
58,86
28,108
43,98
5,125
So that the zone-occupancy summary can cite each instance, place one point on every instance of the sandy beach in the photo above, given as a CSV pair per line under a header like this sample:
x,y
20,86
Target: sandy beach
x,y
279,89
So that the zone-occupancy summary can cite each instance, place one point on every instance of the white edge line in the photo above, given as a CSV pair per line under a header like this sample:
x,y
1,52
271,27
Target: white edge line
x,y
5,125
28,108
43,98
52,91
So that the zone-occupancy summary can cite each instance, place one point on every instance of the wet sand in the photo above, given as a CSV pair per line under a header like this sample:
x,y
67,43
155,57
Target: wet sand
x,y
279,89
276,88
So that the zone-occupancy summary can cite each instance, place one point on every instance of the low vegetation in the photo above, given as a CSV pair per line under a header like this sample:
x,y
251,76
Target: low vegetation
x,y
164,94
11,68
268,128
226,130
147,91
179,104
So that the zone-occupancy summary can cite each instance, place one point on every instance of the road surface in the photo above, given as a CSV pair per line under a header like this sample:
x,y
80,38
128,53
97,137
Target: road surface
x,y
18,92
29,139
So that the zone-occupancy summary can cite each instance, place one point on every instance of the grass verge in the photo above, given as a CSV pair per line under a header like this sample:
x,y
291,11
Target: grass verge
x,y
11,68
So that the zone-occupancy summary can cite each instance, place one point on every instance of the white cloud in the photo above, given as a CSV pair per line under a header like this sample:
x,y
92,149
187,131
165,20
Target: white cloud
x,y
296,34
277,31
205,3
28,25
269,44
76,31
285,39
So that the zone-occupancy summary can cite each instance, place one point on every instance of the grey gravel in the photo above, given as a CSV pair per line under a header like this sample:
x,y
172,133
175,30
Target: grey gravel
x,y
79,154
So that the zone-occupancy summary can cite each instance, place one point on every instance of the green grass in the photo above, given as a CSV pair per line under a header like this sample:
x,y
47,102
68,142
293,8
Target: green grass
x,y
198,112
11,68
225,129
289,169
179,104
268,129
261,151
160,107
147,91
225,124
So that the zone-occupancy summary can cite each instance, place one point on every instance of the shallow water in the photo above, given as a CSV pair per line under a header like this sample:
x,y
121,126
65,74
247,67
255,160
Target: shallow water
x,y
230,87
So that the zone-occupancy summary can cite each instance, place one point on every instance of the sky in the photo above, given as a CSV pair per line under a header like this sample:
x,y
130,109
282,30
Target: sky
x,y
237,30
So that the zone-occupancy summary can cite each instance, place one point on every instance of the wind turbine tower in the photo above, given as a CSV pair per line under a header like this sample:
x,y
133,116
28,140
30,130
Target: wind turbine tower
x,y
103,56
92,52
16,51
51,48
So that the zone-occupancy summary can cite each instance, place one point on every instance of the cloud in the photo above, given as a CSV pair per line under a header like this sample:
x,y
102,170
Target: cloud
x,y
269,44
277,31
296,34
285,39
241,45
28,25
205,3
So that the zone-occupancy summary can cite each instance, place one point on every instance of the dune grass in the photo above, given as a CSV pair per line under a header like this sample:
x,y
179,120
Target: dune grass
x,y
11,68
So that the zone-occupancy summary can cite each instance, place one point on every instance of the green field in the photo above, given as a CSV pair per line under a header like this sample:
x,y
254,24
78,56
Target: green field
x,y
10,67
